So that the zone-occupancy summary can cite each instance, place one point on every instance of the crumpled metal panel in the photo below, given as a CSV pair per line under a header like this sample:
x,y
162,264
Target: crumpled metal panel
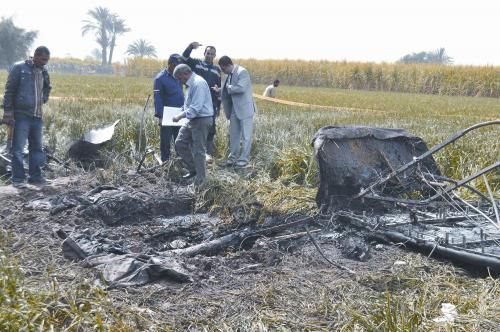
x,y
352,157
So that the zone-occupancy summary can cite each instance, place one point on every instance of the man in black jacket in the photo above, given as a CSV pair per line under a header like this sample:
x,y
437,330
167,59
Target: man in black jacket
x,y
27,89
212,74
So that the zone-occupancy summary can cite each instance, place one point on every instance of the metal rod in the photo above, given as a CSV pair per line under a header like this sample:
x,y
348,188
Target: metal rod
x,y
439,194
478,211
444,178
482,240
493,202
142,123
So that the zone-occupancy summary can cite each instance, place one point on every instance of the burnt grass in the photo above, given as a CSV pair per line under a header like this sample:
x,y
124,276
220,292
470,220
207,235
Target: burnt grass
x,y
274,282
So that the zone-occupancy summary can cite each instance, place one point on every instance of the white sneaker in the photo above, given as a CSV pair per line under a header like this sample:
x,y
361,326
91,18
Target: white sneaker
x,y
209,159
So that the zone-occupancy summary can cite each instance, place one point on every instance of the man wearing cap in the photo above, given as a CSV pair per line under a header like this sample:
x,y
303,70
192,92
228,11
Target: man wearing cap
x,y
167,92
212,74
192,140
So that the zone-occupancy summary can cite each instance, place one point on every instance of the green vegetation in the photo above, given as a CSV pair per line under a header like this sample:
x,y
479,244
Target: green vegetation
x,y
413,78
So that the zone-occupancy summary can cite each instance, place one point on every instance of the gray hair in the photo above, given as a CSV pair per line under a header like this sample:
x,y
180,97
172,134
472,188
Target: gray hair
x,y
181,69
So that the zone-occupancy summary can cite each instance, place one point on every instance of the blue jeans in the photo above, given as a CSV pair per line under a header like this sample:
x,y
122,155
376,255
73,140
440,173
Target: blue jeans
x,y
166,135
27,128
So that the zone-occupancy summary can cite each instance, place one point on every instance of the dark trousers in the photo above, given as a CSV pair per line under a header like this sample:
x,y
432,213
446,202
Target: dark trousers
x,y
211,133
27,128
168,134
211,137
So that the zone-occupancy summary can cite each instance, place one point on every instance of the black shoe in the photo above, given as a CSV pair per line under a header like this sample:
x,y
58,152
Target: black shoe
x,y
19,185
189,175
38,182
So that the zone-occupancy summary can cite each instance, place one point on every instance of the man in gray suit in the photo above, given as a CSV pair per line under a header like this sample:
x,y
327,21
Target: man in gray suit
x,y
239,108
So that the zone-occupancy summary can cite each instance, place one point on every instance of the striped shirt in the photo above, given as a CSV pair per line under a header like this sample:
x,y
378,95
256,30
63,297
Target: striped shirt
x,y
38,92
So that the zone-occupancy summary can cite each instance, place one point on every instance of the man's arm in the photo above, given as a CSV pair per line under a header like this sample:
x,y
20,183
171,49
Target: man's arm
x,y
218,102
158,97
242,85
46,88
11,90
266,92
187,55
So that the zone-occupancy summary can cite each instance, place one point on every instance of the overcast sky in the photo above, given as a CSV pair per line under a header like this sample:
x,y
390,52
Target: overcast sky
x,y
352,30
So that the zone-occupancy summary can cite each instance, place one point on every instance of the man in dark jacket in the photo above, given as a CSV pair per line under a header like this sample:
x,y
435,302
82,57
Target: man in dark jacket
x,y
167,92
27,89
212,75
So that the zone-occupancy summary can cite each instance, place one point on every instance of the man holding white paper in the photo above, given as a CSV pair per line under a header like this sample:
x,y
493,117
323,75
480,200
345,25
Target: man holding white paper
x,y
191,144
167,93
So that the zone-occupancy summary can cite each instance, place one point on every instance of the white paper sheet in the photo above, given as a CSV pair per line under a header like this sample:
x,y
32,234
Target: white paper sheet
x,y
169,113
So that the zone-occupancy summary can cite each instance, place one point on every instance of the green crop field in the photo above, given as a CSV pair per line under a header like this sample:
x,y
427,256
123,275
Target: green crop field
x,y
282,132
285,181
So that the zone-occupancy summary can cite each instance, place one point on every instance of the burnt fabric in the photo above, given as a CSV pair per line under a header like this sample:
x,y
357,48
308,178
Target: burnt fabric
x,y
353,157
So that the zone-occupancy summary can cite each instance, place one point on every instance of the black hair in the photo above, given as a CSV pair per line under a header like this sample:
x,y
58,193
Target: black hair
x,y
206,48
42,50
225,61
276,82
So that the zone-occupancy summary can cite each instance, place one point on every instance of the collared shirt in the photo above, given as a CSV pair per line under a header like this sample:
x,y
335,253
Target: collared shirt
x,y
270,91
167,92
230,79
198,103
38,92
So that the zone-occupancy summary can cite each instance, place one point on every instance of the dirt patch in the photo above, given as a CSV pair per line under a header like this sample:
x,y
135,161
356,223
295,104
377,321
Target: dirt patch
x,y
277,280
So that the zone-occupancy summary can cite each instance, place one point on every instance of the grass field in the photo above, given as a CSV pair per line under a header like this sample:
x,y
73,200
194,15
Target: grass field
x,y
281,132
286,181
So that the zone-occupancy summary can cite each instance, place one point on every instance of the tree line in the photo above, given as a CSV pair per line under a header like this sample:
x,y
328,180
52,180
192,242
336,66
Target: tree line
x,y
106,27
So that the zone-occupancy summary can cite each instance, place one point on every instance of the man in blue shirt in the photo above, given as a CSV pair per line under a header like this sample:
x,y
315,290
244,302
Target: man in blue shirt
x,y
212,74
167,92
192,140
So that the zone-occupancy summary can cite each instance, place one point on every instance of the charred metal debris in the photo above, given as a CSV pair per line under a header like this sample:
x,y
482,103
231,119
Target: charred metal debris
x,y
385,182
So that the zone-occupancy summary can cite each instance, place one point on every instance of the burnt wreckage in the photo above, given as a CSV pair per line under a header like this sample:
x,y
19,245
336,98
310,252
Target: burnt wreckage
x,y
371,176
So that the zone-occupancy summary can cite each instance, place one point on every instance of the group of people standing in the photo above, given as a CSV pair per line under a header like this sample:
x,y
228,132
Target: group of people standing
x,y
28,88
204,95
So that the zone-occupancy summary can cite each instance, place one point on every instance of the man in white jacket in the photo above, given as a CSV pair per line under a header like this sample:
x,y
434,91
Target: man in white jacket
x,y
239,108
271,89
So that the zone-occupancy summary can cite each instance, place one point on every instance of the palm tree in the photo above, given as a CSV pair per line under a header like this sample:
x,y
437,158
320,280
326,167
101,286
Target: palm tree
x,y
439,56
141,48
118,27
100,23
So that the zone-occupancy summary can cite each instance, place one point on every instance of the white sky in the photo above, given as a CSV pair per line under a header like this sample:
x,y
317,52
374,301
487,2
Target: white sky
x,y
352,30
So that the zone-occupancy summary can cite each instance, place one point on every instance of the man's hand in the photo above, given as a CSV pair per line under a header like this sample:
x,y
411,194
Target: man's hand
x,y
195,45
160,121
8,118
216,88
177,118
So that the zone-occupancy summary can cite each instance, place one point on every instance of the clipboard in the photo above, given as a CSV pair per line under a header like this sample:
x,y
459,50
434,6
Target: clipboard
x,y
169,113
